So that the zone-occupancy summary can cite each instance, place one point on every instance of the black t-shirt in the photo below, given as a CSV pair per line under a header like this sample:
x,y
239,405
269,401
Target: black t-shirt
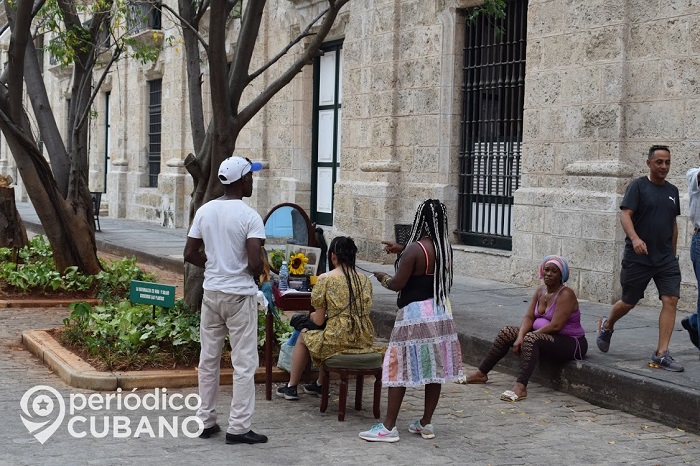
x,y
654,208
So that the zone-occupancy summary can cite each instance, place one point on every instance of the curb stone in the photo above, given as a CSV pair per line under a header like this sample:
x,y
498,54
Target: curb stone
x,y
79,374
24,303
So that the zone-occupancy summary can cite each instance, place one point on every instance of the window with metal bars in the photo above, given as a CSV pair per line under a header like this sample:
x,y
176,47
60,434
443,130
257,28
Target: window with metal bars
x,y
492,126
144,16
69,127
155,88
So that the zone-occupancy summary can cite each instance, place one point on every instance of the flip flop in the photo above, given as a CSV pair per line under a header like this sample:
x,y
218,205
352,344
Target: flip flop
x,y
463,380
510,396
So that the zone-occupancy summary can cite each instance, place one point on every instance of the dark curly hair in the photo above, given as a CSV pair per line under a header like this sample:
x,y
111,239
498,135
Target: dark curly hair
x,y
345,251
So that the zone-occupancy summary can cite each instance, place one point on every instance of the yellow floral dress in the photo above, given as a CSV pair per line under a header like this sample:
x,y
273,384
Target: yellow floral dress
x,y
346,331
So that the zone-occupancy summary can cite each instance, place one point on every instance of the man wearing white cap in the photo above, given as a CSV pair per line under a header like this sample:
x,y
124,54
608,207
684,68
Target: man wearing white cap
x,y
232,233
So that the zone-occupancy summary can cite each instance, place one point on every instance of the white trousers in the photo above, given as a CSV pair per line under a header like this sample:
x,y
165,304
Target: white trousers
x,y
222,312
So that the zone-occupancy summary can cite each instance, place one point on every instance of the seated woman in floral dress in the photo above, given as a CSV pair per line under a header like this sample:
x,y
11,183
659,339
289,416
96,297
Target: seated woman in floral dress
x,y
342,298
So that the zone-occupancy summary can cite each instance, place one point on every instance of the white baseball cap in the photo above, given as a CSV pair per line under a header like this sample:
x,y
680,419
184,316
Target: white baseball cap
x,y
234,168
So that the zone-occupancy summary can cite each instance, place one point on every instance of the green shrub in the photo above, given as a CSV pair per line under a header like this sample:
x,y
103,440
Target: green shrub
x,y
121,335
116,334
35,270
280,328
115,278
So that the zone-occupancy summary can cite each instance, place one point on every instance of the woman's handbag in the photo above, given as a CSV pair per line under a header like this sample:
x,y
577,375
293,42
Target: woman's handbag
x,y
303,321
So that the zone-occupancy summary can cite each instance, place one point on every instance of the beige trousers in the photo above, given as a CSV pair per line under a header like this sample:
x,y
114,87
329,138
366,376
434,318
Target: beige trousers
x,y
237,315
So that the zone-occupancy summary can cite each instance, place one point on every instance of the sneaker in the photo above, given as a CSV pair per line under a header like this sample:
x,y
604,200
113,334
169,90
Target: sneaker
x,y
693,333
287,392
665,361
312,389
604,336
426,431
379,433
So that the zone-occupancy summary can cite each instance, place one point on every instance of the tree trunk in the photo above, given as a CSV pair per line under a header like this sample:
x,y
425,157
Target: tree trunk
x,y
194,279
12,231
68,223
227,87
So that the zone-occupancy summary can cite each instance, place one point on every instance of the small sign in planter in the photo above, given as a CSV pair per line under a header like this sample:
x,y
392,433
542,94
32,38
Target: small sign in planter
x,y
152,293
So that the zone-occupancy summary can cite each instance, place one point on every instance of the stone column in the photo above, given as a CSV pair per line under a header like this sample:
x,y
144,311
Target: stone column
x,y
574,136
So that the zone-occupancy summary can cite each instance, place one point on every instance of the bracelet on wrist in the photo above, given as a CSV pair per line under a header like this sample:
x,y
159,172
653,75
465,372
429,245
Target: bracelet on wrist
x,y
385,281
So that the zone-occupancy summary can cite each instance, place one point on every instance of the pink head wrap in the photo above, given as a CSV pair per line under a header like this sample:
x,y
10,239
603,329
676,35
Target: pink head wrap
x,y
561,264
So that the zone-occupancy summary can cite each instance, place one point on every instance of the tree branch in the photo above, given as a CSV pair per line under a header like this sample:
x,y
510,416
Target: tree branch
x,y
22,18
186,23
221,112
35,10
46,120
115,56
194,73
98,20
202,9
248,35
311,51
283,52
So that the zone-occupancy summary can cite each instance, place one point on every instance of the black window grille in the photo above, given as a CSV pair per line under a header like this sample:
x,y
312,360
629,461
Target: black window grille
x,y
154,130
104,38
39,47
492,126
69,126
53,59
143,16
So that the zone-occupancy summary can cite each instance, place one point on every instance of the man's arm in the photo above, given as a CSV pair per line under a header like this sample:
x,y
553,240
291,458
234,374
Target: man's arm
x,y
640,247
675,236
693,177
255,263
193,252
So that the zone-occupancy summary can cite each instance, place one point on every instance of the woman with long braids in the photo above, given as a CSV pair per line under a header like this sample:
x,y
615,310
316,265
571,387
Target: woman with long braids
x,y
423,348
342,298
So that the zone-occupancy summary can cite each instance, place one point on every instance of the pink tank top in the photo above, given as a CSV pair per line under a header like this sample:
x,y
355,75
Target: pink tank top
x,y
571,328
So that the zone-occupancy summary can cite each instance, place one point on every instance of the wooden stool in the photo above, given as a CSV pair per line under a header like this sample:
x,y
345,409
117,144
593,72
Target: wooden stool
x,y
358,365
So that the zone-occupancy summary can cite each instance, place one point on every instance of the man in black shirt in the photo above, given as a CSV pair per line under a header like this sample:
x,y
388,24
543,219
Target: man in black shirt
x,y
649,211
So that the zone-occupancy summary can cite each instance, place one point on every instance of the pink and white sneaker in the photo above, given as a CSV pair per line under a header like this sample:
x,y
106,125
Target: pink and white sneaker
x,y
379,433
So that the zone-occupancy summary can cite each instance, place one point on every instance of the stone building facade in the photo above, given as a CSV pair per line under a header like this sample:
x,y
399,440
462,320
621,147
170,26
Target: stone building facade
x,y
603,80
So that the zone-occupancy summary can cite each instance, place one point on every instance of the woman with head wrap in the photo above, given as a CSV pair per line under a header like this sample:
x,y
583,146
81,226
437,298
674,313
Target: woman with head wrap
x,y
551,328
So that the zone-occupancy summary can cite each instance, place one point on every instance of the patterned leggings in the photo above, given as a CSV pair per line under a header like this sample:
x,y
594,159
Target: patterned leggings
x,y
558,348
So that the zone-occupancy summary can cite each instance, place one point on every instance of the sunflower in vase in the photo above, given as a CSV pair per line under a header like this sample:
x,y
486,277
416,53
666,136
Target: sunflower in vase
x,y
297,263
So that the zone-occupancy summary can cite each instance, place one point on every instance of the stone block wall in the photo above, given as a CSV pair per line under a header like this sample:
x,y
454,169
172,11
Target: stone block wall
x,y
605,80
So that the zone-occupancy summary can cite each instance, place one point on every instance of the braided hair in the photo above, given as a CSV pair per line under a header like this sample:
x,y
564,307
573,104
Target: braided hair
x,y
431,220
346,252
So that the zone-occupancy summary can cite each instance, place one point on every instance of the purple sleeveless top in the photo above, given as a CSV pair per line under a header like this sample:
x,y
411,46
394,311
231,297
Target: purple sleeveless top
x,y
571,328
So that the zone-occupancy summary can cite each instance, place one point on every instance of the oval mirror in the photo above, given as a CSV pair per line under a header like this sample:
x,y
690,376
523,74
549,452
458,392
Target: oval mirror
x,y
285,224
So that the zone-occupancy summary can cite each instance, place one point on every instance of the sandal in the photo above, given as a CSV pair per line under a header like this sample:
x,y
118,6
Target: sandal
x,y
510,396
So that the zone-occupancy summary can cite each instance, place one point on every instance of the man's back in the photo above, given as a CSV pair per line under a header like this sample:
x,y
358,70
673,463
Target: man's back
x,y
224,226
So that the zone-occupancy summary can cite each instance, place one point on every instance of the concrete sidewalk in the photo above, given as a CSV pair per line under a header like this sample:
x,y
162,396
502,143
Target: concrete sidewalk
x,y
619,379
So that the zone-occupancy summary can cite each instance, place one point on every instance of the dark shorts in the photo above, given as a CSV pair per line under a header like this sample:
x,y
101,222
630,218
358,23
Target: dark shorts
x,y
635,278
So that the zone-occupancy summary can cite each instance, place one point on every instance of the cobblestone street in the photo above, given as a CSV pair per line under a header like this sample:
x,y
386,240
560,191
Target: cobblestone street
x,y
472,426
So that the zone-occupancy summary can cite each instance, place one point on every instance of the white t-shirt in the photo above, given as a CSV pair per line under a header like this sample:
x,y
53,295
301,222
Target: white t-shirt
x,y
224,225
